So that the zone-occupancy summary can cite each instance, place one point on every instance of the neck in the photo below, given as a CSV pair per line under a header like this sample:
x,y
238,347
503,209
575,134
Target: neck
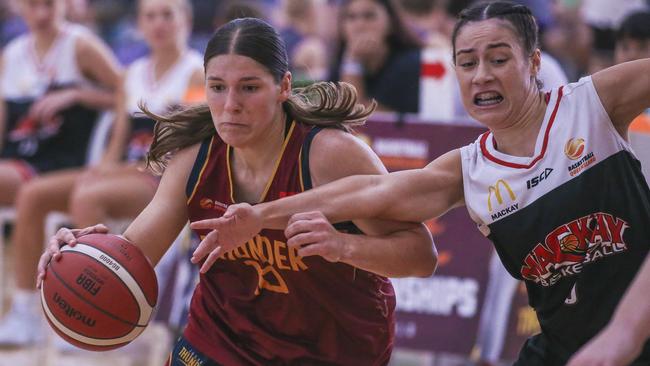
x,y
519,138
260,156
164,58
44,39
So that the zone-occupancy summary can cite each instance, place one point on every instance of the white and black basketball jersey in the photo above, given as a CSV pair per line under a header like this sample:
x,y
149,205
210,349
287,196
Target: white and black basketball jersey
x,y
572,221
157,95
26,76
170,89
24,79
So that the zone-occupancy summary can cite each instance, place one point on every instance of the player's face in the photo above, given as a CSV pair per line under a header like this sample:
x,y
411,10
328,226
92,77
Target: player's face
x,y
244,99
42,15
363,17
494,75
162,22
629,49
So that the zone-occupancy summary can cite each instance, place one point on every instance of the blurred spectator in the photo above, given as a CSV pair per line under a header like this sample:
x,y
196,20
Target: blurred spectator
x,y
633,43
306,50
569,39
378,55
431,20
603,18
53,81
11,25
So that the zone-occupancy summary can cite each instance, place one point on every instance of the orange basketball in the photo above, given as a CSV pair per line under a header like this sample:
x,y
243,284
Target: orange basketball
x,y
101,294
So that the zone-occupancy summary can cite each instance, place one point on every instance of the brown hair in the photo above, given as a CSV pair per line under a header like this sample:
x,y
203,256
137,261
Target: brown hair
x,y
321,104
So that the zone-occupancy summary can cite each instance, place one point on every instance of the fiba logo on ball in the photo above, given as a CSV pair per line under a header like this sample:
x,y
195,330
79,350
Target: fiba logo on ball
x,y
574,148
101,293
570,244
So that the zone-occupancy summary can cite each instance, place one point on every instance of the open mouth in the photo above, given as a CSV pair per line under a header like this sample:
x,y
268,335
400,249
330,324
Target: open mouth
x,y
487,99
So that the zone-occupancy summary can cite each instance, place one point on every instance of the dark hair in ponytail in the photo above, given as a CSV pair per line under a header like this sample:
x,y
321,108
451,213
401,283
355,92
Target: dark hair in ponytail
x,y
323,104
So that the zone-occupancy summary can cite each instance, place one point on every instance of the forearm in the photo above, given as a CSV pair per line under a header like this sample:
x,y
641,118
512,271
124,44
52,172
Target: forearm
x,y
343,200
405,253
633,312
95,98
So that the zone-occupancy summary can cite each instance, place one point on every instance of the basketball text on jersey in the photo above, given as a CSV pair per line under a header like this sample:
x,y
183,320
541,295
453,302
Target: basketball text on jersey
x,y
268,257
571,246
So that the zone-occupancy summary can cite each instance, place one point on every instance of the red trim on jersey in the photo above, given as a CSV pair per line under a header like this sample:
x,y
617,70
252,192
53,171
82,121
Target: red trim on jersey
x,y
487,154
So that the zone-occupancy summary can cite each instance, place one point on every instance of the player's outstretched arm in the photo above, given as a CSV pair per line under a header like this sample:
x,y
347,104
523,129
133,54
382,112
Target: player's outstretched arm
x,y
624,91
413,196
622,340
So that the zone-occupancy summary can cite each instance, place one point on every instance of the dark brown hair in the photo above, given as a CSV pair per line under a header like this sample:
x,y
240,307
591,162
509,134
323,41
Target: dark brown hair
x,y
323,104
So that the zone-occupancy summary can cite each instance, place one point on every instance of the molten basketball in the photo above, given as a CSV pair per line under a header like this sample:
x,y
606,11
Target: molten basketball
x,y
101,293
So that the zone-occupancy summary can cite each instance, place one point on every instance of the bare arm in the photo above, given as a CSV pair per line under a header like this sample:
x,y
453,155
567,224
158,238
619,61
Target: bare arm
x,y
160,222
154,229
621,342
98,63
624,90
390,248
411,195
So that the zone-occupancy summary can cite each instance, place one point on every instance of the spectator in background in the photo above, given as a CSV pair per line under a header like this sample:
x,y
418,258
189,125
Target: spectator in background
x,y
53,81
430,20
633,43
306,50
378,55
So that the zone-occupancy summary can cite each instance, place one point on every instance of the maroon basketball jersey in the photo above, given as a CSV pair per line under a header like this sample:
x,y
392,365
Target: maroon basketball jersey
x,y
263,304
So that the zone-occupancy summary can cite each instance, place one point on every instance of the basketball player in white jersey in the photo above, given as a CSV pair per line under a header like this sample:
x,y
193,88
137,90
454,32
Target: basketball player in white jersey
x,y
53,82
553,184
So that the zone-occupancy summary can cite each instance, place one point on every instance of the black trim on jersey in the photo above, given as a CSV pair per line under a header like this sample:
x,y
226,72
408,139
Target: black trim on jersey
x,y
304,163
198,165
347,226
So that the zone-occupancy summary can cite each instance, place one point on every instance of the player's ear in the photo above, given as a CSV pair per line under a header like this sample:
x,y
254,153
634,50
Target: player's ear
x,y
285,87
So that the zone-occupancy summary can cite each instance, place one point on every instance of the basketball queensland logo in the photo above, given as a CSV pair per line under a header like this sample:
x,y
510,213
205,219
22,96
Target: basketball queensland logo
x,y
574,149
571,246
497,191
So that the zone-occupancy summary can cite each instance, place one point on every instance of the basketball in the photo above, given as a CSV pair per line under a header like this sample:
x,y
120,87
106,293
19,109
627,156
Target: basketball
x,y
101,293
569,243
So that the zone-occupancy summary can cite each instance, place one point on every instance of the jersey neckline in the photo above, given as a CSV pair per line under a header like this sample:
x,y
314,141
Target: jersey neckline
x,y
525,162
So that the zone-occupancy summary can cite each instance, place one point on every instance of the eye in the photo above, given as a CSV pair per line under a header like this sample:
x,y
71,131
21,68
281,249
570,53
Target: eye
x,y
499,61
218,87
250,88
467,64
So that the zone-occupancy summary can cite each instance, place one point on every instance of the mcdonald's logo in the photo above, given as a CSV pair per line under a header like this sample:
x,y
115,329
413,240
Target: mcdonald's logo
x,y
497,193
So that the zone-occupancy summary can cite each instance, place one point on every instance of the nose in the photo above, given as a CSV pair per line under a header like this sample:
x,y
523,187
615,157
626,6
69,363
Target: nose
x,y
483,73
232,104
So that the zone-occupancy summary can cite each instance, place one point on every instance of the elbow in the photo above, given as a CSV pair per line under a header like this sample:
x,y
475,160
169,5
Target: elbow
x,y
428,261
428,266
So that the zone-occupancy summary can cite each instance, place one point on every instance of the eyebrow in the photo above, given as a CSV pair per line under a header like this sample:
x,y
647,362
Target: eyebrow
x,y
490,46
245,78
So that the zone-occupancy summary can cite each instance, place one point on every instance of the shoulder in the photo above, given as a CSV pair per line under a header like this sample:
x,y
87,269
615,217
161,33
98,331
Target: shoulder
x,y
335,154
16,45
88,44
181,162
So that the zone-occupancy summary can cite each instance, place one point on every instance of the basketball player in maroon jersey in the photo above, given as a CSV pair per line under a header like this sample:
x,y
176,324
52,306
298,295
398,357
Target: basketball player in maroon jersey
x,y
256,140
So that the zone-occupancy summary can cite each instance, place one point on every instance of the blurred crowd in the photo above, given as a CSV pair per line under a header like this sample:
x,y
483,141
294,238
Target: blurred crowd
x,y
334,39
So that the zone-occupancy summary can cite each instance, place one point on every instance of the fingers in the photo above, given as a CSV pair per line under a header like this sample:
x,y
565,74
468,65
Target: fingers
x,y
207,245
307,221
66,236
210,223
214,255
